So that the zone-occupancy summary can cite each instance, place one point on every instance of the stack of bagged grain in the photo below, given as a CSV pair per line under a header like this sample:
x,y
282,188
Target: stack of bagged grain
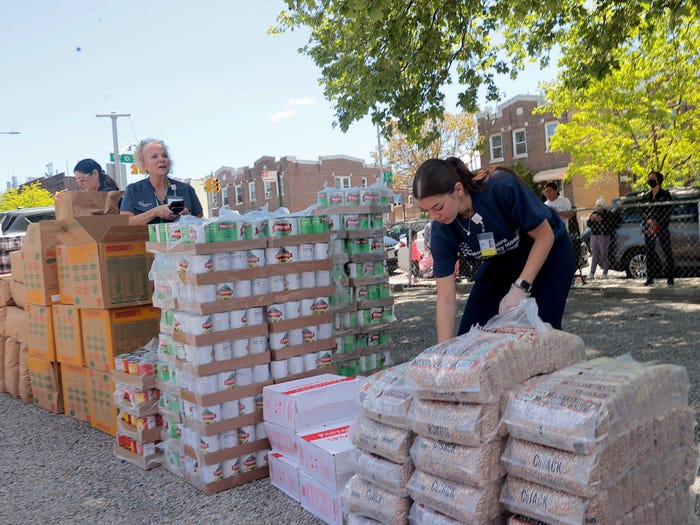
x,y
604,441
14,370
383,436
461,386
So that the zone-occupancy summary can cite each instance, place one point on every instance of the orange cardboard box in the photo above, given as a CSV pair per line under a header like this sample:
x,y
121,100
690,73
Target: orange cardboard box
x,y
40,274
103,411
46,384
74,380
66,289
67,334
107,333
103,262
40,331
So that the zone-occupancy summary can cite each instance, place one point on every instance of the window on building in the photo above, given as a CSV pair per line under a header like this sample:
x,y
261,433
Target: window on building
x,y
496,145
549,129
341,182
251,191
410,201
224,195
519,143
268,189
364,182
239,194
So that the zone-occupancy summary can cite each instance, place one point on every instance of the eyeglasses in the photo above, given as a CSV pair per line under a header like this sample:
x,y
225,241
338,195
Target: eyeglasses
x,y
83,179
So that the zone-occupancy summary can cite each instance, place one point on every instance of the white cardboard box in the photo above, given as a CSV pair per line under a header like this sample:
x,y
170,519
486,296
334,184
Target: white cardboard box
x,y
283,440
320,501
325,454
312,401
284,474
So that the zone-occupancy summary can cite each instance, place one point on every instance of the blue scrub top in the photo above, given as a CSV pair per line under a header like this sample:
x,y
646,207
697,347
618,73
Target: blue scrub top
x,y
508,209
139,197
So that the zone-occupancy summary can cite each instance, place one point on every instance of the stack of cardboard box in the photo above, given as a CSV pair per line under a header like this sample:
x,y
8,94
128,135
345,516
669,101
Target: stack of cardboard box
x,y
87,299
307,422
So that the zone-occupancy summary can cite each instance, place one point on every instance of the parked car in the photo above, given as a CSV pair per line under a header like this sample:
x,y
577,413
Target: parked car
x,y
391,248
13,228
401,229
627,252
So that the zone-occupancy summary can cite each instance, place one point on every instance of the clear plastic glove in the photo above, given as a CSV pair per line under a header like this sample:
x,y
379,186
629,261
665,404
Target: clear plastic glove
x,y
512,299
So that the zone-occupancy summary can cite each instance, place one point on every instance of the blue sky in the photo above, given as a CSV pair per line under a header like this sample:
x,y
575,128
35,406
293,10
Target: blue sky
x,y
203,76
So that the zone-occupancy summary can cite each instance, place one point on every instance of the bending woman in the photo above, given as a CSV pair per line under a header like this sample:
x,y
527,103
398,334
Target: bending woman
x,y
494,217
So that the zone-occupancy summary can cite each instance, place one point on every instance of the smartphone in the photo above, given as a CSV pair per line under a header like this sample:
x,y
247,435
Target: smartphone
x,y
177,206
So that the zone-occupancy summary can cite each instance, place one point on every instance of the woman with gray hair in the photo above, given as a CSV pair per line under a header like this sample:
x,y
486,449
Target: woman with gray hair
x,y
157,198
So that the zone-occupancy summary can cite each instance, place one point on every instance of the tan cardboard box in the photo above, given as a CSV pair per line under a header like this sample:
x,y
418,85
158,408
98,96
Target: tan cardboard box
x,y
103,411
74,380
105,262
40,275
107,333
17,265
40,331
46,384
67,335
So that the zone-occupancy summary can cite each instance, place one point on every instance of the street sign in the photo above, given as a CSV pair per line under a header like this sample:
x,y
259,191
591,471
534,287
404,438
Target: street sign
x,y
124,157
269,176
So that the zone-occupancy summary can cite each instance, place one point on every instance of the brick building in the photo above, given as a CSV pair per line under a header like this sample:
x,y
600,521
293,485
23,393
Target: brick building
x,y
290,183
514,135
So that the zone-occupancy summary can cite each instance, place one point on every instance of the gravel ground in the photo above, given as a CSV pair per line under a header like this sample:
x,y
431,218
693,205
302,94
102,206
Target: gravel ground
x,y
56,470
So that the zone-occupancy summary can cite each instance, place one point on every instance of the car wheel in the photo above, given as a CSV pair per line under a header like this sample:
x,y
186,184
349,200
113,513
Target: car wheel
x,y
636,266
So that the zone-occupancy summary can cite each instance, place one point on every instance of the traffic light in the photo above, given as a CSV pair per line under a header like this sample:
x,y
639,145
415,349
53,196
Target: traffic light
x,y
217,185
207,185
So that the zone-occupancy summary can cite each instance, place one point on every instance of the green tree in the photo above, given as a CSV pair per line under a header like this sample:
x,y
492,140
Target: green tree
x,y
392,58
457,136
31,196
644,116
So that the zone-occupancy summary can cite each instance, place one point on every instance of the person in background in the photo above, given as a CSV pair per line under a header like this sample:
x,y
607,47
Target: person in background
x,y
602,224
150,200
560,204
655,227
416,255
91,177
493,216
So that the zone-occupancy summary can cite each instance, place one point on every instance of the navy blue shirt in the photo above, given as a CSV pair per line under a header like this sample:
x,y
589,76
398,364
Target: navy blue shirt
x,y
508,209
139,197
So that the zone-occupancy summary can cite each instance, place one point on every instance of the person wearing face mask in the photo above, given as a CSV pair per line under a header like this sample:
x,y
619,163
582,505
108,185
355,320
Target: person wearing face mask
x,y
157,198
655,228
493,216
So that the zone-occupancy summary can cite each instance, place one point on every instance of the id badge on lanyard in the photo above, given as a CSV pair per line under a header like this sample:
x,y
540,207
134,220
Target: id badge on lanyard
x,y
487,242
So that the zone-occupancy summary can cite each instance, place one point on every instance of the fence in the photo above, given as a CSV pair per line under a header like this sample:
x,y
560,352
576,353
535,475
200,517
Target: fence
x,y
636,249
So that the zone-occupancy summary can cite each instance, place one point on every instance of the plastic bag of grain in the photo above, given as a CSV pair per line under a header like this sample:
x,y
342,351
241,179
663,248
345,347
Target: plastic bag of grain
x,y
392,443
554,349
476,367
456,500
524,520
385,397
356,519
582,407
420,514
387,474
367,499
476,466
469,424
584,474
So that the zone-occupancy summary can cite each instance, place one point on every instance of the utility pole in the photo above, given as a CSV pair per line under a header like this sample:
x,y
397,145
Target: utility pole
x,y
379,150
121,181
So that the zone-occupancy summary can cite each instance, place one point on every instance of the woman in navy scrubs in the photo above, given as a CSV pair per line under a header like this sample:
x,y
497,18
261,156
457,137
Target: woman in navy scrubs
x,y
493,216
150,200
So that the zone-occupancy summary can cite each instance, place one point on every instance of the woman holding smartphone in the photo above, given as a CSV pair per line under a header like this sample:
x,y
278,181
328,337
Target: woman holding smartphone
x,y
158,198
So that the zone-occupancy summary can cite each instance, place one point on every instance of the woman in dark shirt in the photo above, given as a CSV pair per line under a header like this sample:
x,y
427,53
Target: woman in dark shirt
x,y
493,216
92,177
655,227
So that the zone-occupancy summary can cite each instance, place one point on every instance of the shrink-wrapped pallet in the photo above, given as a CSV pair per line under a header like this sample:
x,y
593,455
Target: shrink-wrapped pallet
x,y
585,407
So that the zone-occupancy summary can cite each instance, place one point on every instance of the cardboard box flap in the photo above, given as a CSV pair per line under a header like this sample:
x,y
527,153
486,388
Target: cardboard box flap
x,y
42,234
100,228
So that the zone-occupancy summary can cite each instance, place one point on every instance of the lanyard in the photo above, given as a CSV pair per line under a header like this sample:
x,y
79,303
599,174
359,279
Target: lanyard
x,y
168,186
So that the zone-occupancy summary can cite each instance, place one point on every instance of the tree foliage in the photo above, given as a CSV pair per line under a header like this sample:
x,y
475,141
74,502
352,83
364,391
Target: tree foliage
x,y
392,58
644,116
31,196
457,136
